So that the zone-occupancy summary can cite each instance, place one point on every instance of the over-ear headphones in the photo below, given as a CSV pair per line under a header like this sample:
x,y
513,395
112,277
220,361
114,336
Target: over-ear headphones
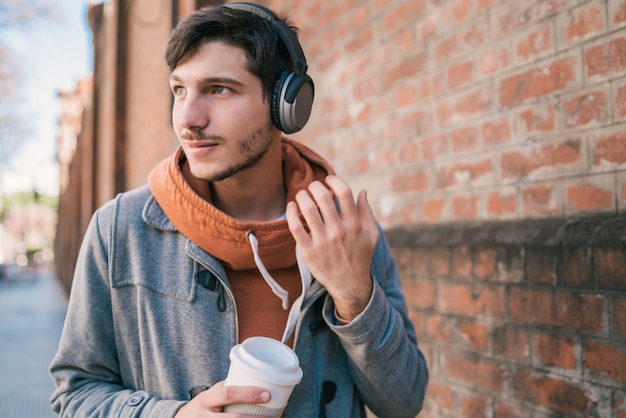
x,y
293,93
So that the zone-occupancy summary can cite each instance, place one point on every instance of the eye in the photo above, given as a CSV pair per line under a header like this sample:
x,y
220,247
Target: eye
x,y
178,90
221,90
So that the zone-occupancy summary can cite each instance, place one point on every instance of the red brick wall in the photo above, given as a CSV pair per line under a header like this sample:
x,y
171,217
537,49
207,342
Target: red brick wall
x,y
519,319
463,110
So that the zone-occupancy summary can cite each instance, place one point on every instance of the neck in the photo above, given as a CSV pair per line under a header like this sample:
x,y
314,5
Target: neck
x,y
257,194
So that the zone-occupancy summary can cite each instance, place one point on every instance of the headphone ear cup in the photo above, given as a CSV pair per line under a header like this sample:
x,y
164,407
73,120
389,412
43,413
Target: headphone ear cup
x,y
277,97
292,101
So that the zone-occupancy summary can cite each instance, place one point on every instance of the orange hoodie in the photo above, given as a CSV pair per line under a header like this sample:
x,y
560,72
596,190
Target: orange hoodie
x,y
187,203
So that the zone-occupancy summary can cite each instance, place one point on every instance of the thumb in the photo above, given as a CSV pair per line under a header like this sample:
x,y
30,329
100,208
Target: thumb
x,y
366,216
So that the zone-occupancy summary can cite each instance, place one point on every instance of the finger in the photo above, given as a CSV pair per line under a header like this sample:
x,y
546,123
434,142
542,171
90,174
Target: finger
x,y
296,227
366,216
345,198
325,203
310,211
220,395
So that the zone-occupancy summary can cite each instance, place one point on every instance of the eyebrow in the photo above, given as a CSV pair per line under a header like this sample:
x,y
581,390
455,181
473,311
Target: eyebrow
x,y
210,80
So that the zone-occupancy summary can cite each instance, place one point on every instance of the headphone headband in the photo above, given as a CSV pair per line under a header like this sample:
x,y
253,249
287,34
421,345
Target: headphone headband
x,y
282,30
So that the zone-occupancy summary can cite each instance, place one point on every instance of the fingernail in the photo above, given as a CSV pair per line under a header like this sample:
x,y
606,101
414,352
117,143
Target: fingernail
x,y
265,396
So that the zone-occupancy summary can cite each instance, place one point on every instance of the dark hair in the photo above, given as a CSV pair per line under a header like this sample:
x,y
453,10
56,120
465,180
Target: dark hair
x,y
266,54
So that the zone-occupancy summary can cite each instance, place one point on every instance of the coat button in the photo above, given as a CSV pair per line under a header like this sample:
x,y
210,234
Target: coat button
x,y
134,400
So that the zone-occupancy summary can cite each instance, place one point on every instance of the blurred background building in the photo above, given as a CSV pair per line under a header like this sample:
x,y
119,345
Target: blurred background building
x,y
491,136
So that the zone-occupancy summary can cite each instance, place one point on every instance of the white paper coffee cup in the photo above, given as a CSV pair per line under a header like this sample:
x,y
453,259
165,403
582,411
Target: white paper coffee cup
x,y
267,363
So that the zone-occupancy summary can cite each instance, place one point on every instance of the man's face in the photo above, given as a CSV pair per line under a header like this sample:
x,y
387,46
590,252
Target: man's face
x,y
219,115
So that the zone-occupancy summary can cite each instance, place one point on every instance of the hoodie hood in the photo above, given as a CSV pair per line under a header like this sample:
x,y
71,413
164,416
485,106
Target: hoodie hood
x,y
187,203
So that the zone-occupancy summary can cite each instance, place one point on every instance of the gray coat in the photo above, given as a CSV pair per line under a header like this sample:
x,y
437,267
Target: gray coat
x,y
151,316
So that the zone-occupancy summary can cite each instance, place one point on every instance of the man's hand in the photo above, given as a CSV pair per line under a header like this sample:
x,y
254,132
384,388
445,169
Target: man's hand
x,y
337,246
211,402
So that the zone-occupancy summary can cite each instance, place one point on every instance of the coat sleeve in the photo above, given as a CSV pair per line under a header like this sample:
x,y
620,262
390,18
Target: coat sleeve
x,y
85,369
387,366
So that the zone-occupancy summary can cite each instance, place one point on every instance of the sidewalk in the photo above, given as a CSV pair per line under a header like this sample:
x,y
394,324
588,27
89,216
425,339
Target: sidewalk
x,y
32,310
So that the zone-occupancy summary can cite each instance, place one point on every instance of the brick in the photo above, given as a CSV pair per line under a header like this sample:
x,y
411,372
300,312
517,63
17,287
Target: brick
x,y
438,329
430,87
459,10
464,139
485,263
462,262
433,209
610,267
458,174
611,149
539,199
619,316
402,257
620,405
581,312
555,351
464,207
408,152
516,164
537,82
474,335
460,74
406,96
475,372
420,262
534,44
585,109
419,294
416,318
416,180
496,131
551,392
509,264
461,299
433,146
404,13
537,119
473,103
586,21
474,406
618,13
493,60
428,27
540,266
459,43
440,261
605,361
411,66
620,101
575,267
362,39
511,343
512,16
605,59
502,410
440,395
531,306
500,204
588,197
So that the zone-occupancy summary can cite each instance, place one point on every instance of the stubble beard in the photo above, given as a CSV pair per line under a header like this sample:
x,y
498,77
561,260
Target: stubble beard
x,y
252,149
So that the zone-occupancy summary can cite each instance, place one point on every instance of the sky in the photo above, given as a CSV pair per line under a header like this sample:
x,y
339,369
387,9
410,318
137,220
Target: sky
x,y
52,56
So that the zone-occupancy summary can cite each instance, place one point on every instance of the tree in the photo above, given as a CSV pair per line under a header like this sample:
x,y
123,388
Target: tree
x,y
15,15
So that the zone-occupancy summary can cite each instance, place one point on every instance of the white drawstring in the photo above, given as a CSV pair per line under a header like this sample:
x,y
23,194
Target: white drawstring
x,y
273,284
305,277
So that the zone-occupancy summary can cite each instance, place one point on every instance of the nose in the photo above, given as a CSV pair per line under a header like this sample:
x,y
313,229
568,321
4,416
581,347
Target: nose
x,y
192,113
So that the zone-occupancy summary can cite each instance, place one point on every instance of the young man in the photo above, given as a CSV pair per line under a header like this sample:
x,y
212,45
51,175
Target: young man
x,y
242,232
